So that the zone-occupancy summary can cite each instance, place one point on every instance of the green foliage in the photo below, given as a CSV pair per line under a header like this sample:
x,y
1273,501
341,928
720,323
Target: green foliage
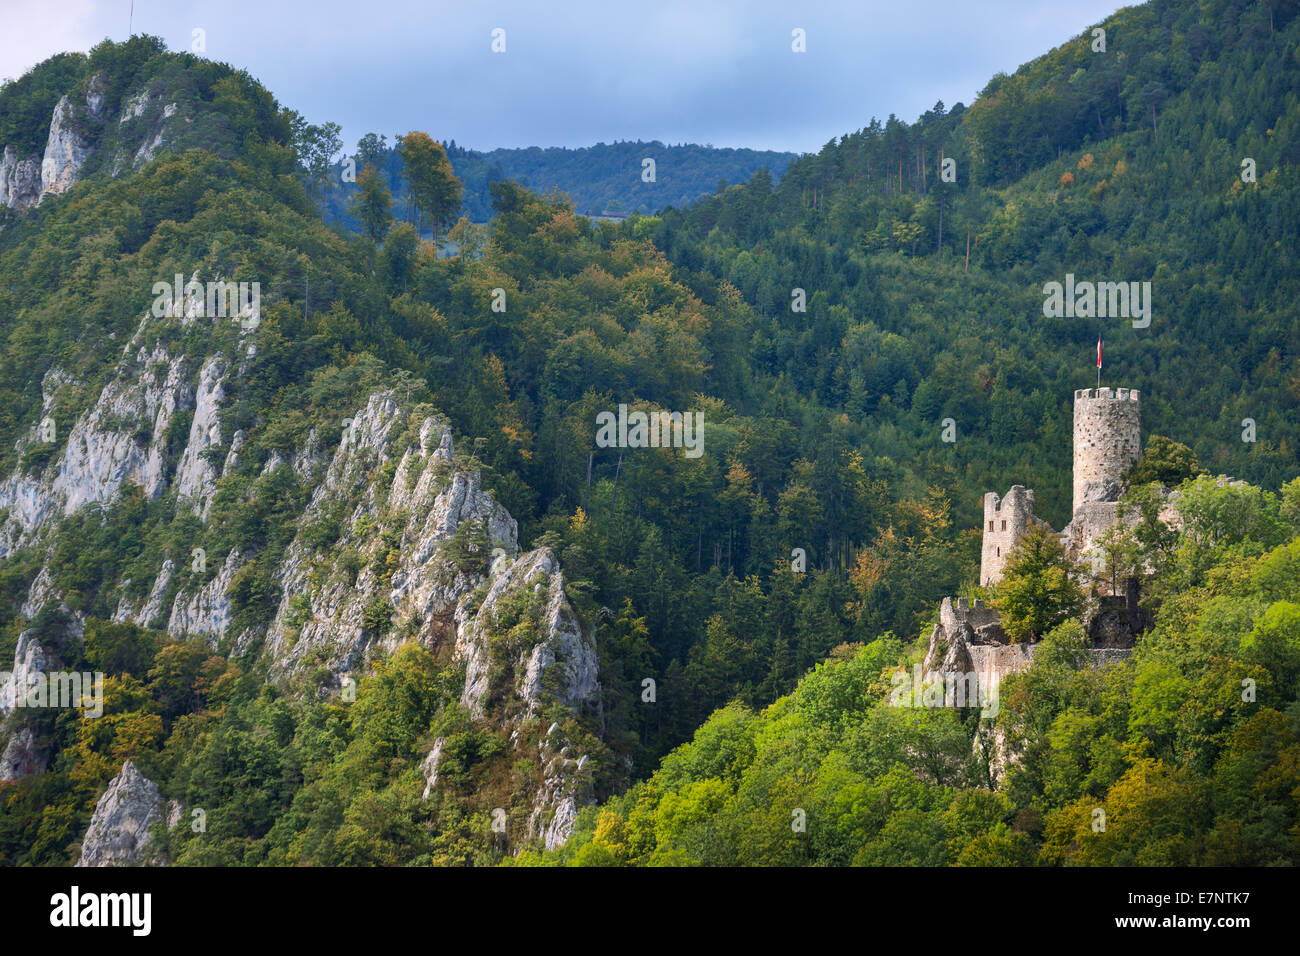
x,y
820,434
595,177
1165,461
27,104
373,205
1038,589
435,192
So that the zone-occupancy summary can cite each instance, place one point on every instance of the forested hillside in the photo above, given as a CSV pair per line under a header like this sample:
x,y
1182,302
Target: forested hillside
x,y
603,179
1189,750
1060,169
823,431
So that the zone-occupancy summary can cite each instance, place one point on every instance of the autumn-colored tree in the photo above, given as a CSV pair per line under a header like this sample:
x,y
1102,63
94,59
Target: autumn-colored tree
x,y
435,191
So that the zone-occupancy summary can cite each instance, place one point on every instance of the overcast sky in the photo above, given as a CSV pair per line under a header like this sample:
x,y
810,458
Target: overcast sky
x,y
577,72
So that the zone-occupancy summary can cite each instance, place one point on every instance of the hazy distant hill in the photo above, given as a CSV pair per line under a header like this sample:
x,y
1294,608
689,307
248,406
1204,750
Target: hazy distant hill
x,y
603,178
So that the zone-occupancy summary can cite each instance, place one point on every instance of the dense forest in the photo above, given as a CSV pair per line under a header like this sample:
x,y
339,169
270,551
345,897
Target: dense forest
x,y
923,302
606,179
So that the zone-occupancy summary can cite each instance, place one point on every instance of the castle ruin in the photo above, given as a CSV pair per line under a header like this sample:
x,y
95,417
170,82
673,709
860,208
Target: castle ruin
x,y
1006,521
968,639
1107,444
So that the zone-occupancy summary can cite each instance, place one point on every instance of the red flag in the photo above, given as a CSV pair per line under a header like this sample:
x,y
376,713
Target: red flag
x,y
1098,353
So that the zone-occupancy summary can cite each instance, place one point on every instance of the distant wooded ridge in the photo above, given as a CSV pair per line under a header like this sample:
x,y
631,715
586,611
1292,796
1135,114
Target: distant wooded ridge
x,y
602,179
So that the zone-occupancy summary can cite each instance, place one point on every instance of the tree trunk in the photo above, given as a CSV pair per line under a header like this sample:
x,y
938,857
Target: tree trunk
x,y
941,227
613,495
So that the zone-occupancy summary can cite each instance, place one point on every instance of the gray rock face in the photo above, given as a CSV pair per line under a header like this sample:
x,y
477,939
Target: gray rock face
x,y
65,151
196,476
119,830
29,660
147,121
410,518
40,593
207,612
561,644
22,756
26,180
427,501
152,608
95,91
105,450
429,767
20,179
560,828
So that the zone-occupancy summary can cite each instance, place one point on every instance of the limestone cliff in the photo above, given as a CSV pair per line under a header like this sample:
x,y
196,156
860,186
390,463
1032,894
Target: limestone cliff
x,y
148,121
418,551
120,830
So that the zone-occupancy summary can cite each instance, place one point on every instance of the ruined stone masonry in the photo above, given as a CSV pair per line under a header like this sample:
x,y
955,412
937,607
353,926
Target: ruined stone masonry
x,y
1006,521
969,638
1107,444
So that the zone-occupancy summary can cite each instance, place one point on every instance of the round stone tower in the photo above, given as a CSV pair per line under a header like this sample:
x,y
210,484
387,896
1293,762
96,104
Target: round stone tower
x,y
1107,442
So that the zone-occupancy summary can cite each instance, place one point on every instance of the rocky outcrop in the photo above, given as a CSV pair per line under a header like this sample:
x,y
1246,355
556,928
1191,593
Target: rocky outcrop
x,y
1115,622
22,756
563,817
20,179
563,788
142,131
429,766
29,661
65,151
434,558
123,437
151,610
146,120
20,751
400,532
550,647
962,625
968,644
206,612
196,476
95,91
40,593
120,829
399,542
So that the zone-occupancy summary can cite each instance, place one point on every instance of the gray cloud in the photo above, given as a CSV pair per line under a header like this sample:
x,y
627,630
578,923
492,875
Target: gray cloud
x,y
673,70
